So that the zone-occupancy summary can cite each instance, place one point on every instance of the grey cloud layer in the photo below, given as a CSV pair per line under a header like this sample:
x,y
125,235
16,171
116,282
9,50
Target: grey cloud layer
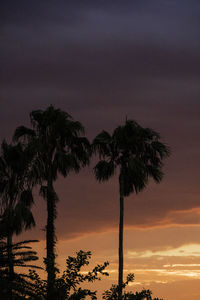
x,y
102,60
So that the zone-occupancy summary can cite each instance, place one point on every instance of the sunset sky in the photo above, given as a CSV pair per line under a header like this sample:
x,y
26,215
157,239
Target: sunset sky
x,y
100,61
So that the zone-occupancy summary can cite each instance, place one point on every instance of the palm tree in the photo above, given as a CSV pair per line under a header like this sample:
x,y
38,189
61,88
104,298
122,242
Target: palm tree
x,y
137,154
16,196
23,256
58,147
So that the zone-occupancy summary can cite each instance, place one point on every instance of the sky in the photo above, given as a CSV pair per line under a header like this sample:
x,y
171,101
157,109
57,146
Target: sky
x,y
101,61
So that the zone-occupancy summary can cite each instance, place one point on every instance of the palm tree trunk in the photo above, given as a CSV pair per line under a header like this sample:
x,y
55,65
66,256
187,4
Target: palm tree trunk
x,y
50,240
121,227
10,264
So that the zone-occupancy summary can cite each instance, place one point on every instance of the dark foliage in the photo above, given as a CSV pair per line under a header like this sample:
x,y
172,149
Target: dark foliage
x,y
67,286
113,293
19,284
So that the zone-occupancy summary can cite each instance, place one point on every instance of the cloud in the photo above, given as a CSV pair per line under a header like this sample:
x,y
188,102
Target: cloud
x,y
186,250
172,267
132,66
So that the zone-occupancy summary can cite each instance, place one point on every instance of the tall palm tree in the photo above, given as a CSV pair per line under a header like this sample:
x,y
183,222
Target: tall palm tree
x,y
59,147
15,196
137,154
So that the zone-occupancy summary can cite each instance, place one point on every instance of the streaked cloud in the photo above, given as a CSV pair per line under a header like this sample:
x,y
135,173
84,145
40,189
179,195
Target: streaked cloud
x,y
181,265
186,250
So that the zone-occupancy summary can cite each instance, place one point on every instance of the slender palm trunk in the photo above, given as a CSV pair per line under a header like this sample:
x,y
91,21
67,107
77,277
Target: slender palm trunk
x,y
10,264
50,240
121,228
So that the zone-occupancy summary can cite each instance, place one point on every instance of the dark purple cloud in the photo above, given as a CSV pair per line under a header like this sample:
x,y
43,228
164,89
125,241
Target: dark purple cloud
x,y
101,61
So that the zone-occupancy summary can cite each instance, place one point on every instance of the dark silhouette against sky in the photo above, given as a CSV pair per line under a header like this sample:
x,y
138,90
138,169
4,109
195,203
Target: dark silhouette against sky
x,y
102,61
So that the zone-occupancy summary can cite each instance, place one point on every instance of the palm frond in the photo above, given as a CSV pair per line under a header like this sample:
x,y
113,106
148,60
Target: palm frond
x,y
43,191
102,144
23,132
104,170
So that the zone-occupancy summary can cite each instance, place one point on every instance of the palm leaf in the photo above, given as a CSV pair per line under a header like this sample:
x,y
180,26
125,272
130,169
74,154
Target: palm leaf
x,y
104,170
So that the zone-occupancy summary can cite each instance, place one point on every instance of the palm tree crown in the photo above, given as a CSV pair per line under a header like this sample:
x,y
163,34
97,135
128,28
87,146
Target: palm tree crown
x,y
136,151
56,141
15,188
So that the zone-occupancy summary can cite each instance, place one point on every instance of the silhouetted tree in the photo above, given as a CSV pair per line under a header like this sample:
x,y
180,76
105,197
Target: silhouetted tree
x,y
137,154
67,286
15,196
20,284
58,147
113,292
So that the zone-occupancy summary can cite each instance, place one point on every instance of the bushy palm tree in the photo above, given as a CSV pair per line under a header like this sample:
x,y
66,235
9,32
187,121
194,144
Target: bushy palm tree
x,y
15,196
59,147
137,154
23,256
